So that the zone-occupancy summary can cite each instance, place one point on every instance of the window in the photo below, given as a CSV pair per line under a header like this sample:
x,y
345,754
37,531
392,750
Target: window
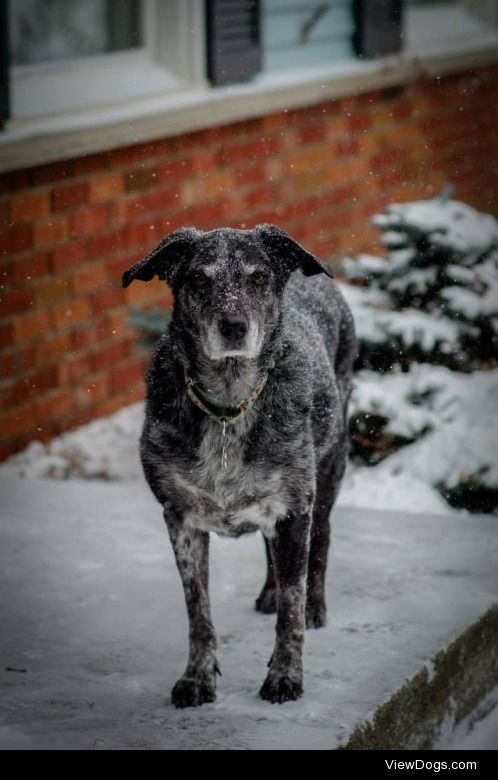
x,y
71,55
296,35
42,31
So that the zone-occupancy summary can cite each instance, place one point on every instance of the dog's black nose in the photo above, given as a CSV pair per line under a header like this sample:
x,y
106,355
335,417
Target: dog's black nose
x,y
233,327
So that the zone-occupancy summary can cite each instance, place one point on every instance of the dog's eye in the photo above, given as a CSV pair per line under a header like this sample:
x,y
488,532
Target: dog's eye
x,y
200,281
259,277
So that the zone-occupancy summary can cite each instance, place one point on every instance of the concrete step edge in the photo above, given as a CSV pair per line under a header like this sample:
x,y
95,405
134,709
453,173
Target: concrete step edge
x,y
414,717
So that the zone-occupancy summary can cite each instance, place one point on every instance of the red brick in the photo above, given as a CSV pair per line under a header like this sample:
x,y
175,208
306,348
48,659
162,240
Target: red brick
x,y
8,396
31,267
31,327
15,301
142,236
29,207
80,416
74,369
124,211
205,216
18,421
56,405
7,364
346,147
46,174
70,197
69,255
105,357
149,292
107,299
53,291
173,170
4,214
26,357
312,133
141,179
115,402
105,188
130,156
15,239
98,388
6,335
107,244
53,231
116,268
83,337
90,220
71,313
262,196
89,277
13,181
118,320
94,163
360,123
52,350
37,384
127,375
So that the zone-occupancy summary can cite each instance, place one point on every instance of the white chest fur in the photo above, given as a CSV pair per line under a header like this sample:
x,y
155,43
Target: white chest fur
x,y
235,499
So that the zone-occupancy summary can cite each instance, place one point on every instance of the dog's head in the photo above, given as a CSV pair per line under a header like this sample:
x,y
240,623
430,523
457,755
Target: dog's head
x,y
228,284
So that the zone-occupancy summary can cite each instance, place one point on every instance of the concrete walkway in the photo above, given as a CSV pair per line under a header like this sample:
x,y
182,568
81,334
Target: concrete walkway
x,y
93,627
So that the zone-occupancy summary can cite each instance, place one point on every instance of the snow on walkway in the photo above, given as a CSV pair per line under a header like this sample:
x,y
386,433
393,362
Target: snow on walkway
x,y
94,628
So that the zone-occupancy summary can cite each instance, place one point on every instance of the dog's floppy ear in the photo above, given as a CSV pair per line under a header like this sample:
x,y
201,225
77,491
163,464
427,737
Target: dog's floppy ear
x,y
281,247
164,259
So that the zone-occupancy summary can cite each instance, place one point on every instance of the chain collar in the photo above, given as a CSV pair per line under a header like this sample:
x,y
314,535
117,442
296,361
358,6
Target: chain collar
x,y
223,414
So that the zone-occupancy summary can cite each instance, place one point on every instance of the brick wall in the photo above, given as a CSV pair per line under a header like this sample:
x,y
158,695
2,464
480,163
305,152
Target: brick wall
x,y
69,230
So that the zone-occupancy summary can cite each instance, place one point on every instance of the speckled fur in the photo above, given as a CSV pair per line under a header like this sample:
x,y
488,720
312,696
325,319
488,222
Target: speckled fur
x,y
285,458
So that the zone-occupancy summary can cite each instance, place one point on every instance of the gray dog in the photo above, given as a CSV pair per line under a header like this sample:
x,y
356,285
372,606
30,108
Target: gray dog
x,y
245,428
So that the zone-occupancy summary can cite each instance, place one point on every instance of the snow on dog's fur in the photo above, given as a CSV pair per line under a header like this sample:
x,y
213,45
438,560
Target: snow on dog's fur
x,y
243,317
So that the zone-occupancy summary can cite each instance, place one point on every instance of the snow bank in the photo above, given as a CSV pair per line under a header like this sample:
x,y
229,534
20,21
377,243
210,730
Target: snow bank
x,y
103,449
461,411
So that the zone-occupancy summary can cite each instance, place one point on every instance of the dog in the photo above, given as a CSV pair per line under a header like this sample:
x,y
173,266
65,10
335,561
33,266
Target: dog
x,y
246,428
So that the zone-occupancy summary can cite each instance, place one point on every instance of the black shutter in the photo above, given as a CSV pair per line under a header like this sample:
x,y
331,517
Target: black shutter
x,y
4,65
379,27
233,40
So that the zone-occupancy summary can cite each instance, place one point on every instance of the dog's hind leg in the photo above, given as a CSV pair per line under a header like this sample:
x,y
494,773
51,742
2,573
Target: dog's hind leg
x,y
328,482
198,683
290,548
267,599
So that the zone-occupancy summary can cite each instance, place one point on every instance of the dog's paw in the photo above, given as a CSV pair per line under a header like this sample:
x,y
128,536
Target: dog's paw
x,y
316,614
190,692
279,688
267,601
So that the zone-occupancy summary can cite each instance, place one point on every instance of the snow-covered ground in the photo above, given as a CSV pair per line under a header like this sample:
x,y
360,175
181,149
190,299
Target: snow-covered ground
x,y
94,630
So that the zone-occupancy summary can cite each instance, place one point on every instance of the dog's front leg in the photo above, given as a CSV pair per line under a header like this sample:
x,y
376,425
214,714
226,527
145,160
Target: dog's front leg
x,y
198,684
289,548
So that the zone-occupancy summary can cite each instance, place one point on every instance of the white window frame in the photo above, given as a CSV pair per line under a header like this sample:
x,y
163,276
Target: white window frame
x,y
168,61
